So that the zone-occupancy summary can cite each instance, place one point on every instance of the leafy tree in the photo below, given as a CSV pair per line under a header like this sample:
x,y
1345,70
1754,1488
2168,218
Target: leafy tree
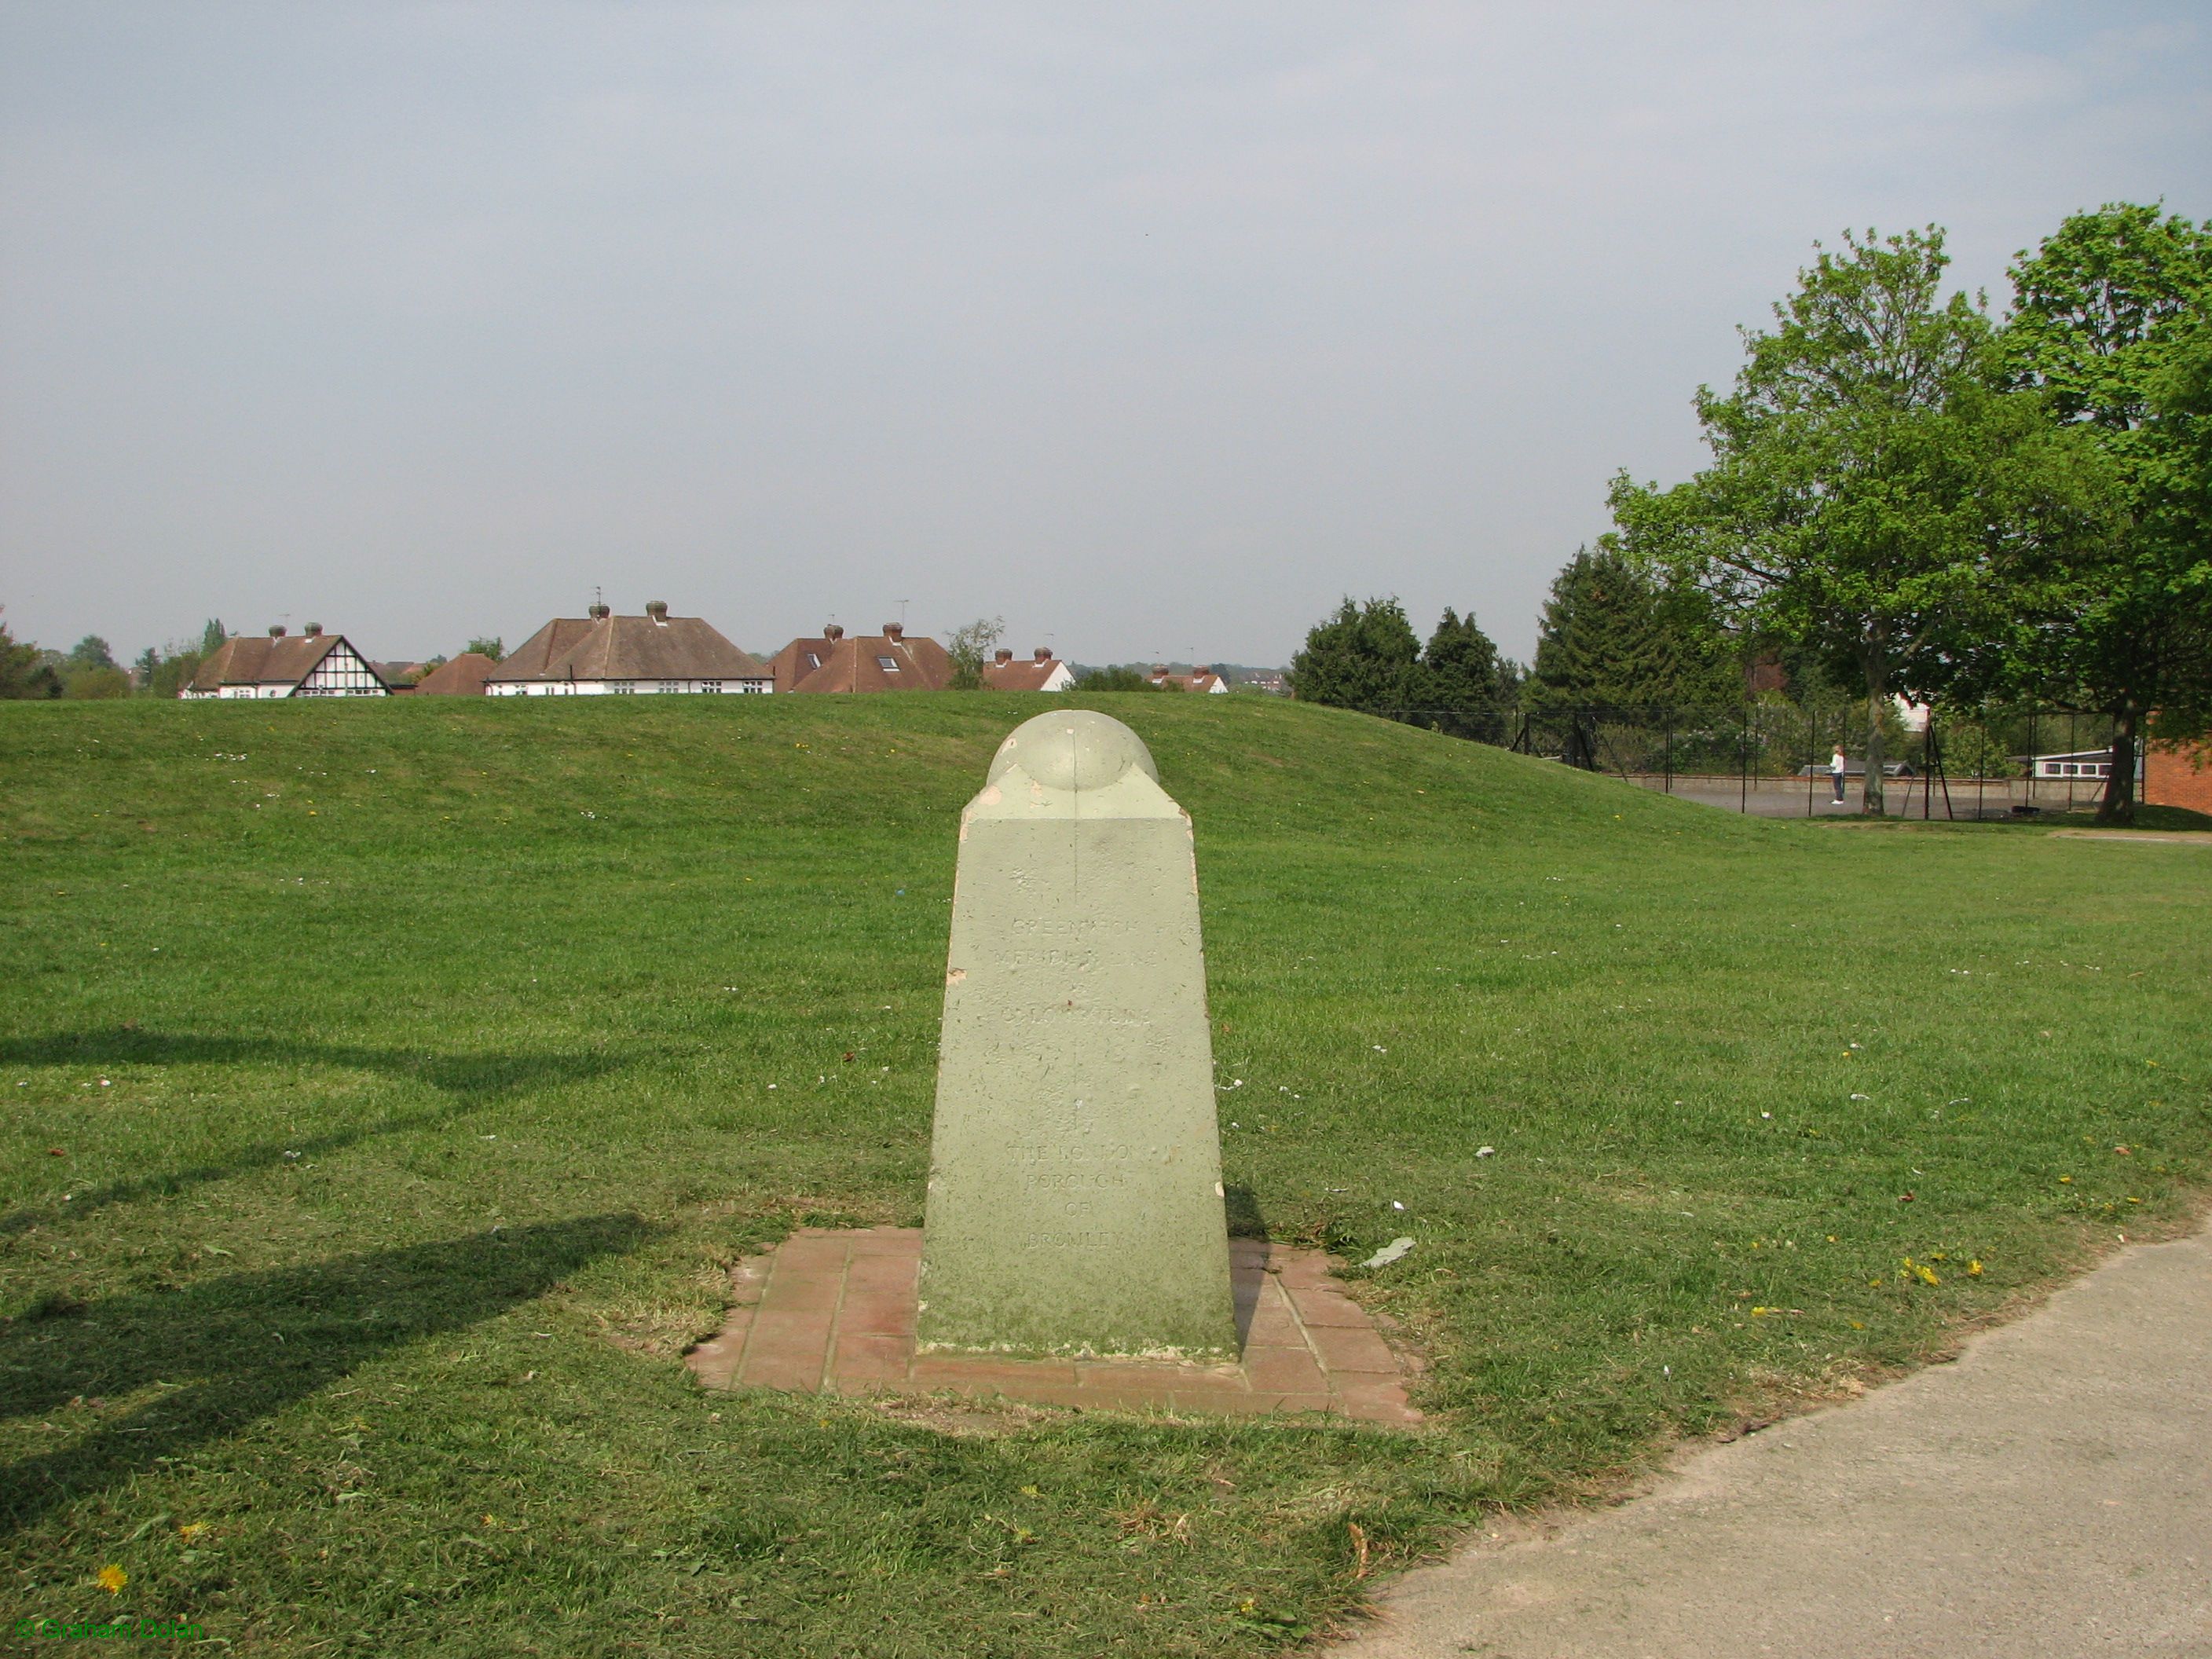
x,y
212,637
1362,657
969,646
495,647
171,674
90,652
23,671
2109,314
1120,676
1871,483
87,685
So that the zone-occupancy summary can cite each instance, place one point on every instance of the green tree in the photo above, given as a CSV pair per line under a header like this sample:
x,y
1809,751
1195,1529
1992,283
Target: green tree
x,y
90,652
969,646
2109,315
212,636
1461,670
24,672
91,684
1119,677
1870,484
1610,637
495,647
171,674
1363,657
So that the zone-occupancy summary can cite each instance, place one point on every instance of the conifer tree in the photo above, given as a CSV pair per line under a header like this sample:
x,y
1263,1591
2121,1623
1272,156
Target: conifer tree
x,y
1365,657
1461,670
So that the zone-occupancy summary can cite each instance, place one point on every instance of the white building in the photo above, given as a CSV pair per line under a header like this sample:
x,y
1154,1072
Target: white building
x,y
310,665
607,655
1043,673
1199,679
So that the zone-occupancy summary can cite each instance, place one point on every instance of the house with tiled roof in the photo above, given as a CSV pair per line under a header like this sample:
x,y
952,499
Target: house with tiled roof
x,y
312,663
458,677
1043,673
1199,679
604,655
836,661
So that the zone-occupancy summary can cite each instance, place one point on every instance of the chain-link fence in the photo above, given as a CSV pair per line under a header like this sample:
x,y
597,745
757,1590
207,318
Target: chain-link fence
x,y
1774,758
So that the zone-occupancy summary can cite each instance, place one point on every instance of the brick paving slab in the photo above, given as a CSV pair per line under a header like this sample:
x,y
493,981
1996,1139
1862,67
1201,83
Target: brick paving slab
x,y
833,1310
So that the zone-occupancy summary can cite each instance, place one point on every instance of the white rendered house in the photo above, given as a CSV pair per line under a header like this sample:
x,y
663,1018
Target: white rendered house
x,y
607,655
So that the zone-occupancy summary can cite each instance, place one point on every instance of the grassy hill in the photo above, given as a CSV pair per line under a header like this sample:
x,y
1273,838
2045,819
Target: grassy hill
x,y
392,1084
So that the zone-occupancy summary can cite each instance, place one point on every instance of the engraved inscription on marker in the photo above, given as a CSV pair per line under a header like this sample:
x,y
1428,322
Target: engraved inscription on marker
x,y
1075,1200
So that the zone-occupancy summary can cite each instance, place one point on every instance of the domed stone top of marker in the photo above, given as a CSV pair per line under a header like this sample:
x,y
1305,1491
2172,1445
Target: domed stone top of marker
x,y
1074,748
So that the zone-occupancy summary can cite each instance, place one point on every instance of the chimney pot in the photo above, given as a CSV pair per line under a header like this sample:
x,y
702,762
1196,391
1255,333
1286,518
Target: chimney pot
x,y
1159,671
314,631
1003,655
657,609
833,631
1043,653
599,612
276,630
894,630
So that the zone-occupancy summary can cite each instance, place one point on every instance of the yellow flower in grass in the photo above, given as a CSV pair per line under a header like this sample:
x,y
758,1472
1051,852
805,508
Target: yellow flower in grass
x,y
191,1529
111,1578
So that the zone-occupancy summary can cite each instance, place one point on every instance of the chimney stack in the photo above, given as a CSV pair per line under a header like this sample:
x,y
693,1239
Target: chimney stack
x,y
1003,655
599,613
658,609
1043,653
276,630
833,631
314,631
893,632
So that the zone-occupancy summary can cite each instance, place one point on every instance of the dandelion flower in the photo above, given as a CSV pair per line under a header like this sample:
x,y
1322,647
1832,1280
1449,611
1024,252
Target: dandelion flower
x,y
111,1578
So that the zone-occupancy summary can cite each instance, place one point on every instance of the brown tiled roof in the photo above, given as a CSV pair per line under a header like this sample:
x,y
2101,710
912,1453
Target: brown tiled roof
x,y
463,676
798,659
531,658
263,660
1008,675
851,664
1199,679
628,648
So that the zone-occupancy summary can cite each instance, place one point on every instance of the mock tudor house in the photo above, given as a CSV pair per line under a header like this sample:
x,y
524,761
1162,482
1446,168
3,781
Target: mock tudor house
x,y
312,663
604,655
1043,673
888,661
1199,679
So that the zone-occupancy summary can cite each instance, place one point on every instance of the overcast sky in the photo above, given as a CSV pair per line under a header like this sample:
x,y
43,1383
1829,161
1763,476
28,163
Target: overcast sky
x,y
1153,328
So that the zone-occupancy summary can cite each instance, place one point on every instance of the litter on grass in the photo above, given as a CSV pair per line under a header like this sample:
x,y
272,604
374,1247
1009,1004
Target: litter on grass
x,y
1389,1254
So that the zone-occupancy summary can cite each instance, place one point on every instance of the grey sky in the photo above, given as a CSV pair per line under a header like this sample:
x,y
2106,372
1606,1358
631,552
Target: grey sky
x,y
1154,328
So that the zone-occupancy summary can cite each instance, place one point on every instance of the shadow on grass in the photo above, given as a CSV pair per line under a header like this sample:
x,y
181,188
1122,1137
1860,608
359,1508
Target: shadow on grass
x,y
471,1080
238,1348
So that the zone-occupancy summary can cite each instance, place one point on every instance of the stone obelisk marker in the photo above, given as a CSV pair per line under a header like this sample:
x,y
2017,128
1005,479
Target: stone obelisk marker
x,y
1075,1202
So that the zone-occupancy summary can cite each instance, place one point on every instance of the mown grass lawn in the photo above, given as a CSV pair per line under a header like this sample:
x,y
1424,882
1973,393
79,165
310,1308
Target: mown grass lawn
x,y
390,1086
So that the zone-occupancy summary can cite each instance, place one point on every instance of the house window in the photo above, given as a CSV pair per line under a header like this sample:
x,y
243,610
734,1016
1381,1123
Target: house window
x,y
888,664
623,688
813,661
710,685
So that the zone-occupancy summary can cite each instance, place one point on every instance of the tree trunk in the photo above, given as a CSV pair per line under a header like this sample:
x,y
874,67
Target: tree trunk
x,y
2118,806
1870,801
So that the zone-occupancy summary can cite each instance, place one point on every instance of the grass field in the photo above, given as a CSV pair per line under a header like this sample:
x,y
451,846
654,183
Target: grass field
x,y
390,1086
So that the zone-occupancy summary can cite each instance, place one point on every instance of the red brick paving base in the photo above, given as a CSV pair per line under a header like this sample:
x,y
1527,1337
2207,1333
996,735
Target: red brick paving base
x,y
833,1311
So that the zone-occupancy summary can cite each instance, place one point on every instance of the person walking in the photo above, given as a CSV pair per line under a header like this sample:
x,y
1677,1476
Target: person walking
x,y
1836,768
